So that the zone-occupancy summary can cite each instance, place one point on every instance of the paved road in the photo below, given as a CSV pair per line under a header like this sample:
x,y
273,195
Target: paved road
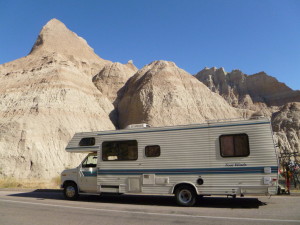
x,y
43,208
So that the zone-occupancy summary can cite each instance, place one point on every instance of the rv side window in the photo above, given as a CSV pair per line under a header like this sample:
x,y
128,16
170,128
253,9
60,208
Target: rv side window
x,y
87,141
152,151
234,145
119,150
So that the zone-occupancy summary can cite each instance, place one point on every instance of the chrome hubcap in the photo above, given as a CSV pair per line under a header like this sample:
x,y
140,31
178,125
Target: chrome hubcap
x,y
185,196
70,191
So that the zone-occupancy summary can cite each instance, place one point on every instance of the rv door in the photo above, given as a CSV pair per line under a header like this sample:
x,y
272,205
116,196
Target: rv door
x,y
88,174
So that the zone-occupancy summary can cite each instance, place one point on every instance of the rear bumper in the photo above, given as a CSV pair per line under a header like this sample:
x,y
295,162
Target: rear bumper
x,y
260,190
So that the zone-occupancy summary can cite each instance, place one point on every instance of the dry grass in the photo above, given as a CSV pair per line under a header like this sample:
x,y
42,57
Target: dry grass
x,y
9,183
53,183
56,181
295,190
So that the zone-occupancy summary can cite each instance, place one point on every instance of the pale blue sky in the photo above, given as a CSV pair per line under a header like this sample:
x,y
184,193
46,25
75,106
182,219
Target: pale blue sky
x,y
250,35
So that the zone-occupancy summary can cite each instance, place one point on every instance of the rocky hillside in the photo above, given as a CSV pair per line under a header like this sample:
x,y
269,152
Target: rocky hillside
x,y
45,98
258,92
55,37
261,94
163,94
110,82
112,78
286,126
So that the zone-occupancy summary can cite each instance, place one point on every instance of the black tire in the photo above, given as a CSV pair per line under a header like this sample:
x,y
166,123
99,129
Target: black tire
x,y
71,191
279,191
185,195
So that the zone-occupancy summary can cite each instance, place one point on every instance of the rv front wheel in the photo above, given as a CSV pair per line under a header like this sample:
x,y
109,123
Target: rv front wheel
x,y
71,191
185,195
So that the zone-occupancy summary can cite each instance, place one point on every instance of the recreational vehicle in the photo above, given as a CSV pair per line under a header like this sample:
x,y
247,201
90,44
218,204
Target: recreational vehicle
x,y
233,158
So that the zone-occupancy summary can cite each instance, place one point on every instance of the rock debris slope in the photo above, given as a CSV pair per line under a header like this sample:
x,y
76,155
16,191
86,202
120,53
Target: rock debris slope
x,y
45,98
163,94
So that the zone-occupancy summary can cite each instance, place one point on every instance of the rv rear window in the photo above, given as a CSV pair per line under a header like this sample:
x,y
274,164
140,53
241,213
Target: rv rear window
x,y
90,141
119,150
152,151
234,145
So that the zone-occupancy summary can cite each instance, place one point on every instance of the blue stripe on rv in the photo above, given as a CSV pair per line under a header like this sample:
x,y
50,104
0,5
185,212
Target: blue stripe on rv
x,y
199,171
89,174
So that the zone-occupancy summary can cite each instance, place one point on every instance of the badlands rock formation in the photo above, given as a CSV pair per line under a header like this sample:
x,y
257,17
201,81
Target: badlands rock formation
x,y
258,92
45,98
63,87
55,37
286,126
262,95
112,78
163,94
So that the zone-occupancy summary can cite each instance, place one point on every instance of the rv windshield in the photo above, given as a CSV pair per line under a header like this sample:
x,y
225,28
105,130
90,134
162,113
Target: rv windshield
x,y
90,161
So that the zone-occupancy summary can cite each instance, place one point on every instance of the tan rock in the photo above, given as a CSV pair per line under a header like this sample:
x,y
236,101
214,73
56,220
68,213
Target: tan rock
x,y
55,37
259,95
275,93
112,78
163,94
286,126
46,97
251,92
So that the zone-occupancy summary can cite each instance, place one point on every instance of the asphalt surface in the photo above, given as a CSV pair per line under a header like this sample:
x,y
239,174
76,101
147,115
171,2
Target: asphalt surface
x,y
44,207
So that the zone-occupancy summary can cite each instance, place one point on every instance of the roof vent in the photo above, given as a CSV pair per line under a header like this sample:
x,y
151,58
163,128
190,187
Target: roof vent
x,y
139,125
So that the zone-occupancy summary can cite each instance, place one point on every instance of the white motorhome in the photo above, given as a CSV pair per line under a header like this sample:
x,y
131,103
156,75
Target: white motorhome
x,y
234,157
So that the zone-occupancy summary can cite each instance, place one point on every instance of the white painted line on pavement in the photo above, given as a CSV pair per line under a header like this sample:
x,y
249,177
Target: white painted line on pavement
x,y
151,213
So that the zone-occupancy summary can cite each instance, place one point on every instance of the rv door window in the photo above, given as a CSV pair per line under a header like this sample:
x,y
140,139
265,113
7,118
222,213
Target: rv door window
x,y
152,151
234,145
119,150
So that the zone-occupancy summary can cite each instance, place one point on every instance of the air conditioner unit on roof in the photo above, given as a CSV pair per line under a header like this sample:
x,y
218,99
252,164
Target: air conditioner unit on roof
x,y
139,125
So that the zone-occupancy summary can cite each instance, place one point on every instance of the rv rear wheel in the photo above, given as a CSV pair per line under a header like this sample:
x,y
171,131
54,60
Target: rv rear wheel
x,y
71,191
185,195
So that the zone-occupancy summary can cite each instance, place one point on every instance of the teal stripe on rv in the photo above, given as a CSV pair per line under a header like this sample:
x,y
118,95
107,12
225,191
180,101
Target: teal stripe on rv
x,y
199,171
89,174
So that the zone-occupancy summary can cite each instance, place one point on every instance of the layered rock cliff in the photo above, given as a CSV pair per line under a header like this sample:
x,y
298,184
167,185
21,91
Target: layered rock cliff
x,y
163,94
110,81
45,98
286,126
261,95
258,92
55,37
112,78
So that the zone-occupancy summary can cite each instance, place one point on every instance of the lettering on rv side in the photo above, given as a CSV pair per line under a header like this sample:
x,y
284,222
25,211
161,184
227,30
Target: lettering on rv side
x,y
235,164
